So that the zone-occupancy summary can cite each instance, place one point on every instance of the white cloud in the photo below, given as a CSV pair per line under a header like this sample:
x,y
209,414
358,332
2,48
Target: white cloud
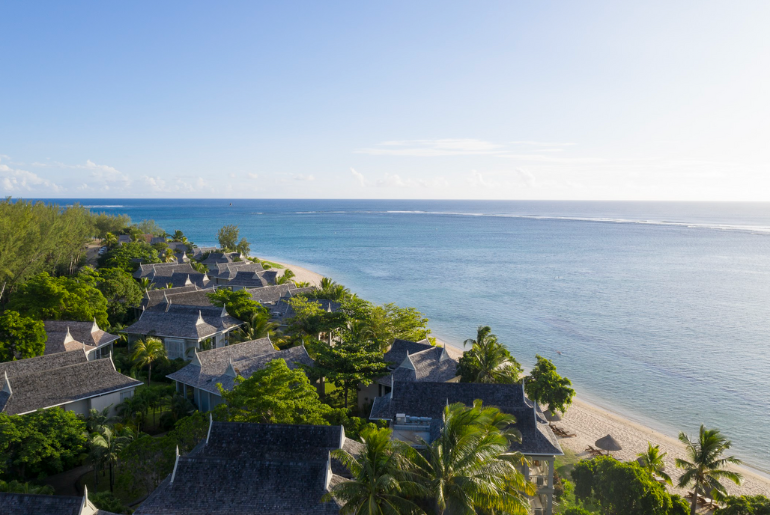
x,y
360,177
302,177
253,175
433,148
478,180
14,179
396,181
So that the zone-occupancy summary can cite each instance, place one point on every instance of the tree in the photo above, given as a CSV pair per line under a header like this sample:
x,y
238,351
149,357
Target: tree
x,y
150,227
243,247
547,387
237,303
652,461
706,463
128,256
107,502
348,363
15,487
330,290
148,351
60,298
179,236
122,292
378,486
20,337
621,488
488,361
108,444
286,277
744,505
228,236
468,468
259,326
273,395
41,443
105,223
110,240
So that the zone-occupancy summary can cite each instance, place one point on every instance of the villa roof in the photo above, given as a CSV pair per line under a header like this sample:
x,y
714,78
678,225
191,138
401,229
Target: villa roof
x,y
153,297
179,321
66,335
47,381
184,279
151,270
37,504
271,469
267,295
222,257
212,366
428,399
249,279
283,311
431,365
229,270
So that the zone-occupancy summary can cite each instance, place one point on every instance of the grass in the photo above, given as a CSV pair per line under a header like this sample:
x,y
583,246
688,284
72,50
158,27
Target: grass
x,y
272,264
565,464
125,496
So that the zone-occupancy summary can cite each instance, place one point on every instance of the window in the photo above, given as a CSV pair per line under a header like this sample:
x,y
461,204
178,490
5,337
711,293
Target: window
x,y
175,348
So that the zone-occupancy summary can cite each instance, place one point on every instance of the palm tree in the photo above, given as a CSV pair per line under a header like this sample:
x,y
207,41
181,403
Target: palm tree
x,y
378,486
179,236
652,461
468,468
146,352
493,363
258,327
107,444
145,283
168,256
110,240
705,468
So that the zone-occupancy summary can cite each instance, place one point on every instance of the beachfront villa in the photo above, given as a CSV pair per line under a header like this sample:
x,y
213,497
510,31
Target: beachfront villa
x,y
223,273
219,257
247,279
173,295
64,379
176,274
409,362
414,412
183,328
198,380
255,468
67,336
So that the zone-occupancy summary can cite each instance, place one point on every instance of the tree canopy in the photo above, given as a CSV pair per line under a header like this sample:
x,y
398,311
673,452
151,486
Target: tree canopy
x,y
119,288
744,505
488,361
237,303
123,256
547,387
228,237
273,395
20,337
59,298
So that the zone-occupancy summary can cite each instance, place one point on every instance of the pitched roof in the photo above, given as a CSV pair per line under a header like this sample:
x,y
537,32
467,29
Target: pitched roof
x,y
400,348
66,335
266,295
180,321
427,399
249,279
151,270
271,469
246,358
152,297
432,365
44,386
229,270
178,279
36,504
283,311
222,257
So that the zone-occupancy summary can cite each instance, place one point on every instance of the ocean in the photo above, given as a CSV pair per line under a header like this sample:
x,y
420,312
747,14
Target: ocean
x,y
658,311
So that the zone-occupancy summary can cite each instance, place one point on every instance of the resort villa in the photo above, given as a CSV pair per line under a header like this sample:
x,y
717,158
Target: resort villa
x,y
223,273
198,380
64,379
409,362
66,336
414,412
37,504
255,468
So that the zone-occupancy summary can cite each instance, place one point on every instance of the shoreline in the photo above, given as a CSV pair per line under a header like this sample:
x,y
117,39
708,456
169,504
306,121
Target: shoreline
x,y
590,421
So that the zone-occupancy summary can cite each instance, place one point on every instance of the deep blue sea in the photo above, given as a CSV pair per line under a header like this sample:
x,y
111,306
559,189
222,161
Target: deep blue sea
x,y
661,311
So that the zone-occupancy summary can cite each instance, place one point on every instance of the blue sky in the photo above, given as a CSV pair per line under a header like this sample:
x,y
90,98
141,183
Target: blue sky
x,y
507,100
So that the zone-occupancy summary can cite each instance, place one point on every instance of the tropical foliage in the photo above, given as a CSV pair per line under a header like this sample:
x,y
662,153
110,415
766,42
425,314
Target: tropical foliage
x,y
20,337
488,361
652,461
146,352
237,303
705,467
745,505
127,256
547,387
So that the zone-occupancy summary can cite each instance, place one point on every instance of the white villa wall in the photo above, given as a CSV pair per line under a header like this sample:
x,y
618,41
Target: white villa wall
x,y
367,394
79,407
113,399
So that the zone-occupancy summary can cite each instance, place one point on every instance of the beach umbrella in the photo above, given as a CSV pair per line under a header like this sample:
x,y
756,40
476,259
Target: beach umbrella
x,y
551,416
608,443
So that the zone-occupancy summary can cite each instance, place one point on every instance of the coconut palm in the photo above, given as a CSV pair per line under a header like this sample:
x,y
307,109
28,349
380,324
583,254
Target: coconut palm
x,y
492,362
110,240
707,462
259,326
145,283
379,486
468,468
107,444
148,351
168,256
652,461
179,236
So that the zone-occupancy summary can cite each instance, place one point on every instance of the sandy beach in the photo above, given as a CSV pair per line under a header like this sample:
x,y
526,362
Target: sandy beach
x,y
589,423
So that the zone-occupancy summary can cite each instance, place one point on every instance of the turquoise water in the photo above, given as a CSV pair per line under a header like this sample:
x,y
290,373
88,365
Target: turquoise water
x,y
660,311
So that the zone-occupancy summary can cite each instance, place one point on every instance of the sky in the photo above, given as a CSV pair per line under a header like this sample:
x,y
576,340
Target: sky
x,y
589,100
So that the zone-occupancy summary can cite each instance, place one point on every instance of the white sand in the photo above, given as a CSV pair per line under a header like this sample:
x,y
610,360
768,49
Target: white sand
x,y
301,274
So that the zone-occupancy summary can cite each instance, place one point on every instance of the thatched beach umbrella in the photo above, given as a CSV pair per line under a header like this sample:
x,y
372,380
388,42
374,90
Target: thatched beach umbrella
x,y
551,416
608,443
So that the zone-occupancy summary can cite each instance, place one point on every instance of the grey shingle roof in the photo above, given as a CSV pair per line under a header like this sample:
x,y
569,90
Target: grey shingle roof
x,y
400,348
271,469
79,333
268,295
253,279
34,504
283,311
44,386
219,257
246,357
153,297
151,270
180,321
426,399
40,364
432,365
178,279
229,270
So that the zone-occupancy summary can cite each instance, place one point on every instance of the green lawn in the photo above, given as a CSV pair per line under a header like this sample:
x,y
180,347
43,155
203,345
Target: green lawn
x,y
272,264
